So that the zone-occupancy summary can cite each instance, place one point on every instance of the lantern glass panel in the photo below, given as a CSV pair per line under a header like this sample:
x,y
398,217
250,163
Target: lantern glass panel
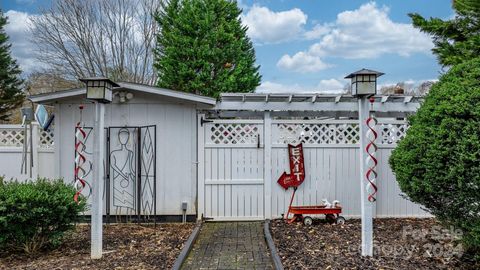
x,y
108,94
95,92
366,88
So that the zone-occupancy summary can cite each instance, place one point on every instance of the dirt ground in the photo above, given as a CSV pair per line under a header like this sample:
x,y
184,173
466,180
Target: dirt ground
x,y
399,244
126,246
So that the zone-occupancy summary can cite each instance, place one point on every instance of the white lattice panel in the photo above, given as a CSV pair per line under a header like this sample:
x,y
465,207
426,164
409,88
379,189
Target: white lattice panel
x,y
11,137
233,134
315,133
14,136
391,133
46,139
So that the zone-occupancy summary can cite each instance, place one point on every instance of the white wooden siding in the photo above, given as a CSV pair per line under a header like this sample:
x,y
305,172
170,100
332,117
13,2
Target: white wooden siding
x,y
176,144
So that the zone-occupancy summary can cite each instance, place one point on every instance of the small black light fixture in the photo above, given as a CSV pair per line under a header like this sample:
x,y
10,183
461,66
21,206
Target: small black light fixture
x,y
99,89
364,82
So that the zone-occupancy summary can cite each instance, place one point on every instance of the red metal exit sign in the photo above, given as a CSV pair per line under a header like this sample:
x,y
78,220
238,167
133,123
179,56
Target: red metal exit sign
x,y
297,168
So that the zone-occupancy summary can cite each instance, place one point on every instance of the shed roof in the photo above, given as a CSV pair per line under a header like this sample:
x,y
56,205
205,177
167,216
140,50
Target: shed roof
x,y
81,92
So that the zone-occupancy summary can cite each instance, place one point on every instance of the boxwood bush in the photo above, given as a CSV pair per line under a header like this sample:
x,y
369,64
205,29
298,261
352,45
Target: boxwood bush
x,y
36,214
437,164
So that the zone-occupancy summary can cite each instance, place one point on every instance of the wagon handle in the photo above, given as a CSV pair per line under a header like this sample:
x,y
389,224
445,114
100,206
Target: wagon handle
x,y
291,201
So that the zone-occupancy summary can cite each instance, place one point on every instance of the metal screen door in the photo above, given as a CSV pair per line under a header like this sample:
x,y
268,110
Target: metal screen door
x,y
131,173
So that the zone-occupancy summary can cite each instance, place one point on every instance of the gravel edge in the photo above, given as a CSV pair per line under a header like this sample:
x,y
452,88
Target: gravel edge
x,y
188,246
271,246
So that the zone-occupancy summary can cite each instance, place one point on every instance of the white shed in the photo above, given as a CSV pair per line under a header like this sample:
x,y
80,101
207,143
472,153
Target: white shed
x,y
155,126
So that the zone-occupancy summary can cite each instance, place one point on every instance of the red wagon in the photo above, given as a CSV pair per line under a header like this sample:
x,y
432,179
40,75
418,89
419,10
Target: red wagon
x,y
300,213
295,179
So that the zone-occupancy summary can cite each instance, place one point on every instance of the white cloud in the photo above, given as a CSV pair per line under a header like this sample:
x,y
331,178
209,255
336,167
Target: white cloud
x,y
272,87
301,62
22,48
317,31
241,4
366,32
267,26
25,1
330,86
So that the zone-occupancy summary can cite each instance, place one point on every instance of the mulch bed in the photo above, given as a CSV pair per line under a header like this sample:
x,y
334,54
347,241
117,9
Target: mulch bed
x,y
399,244
126,246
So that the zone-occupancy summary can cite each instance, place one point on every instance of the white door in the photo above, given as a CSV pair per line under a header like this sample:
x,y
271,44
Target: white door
x,y
231,184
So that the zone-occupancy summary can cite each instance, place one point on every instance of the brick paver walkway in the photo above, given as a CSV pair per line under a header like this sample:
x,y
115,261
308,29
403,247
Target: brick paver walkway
x,y
230,245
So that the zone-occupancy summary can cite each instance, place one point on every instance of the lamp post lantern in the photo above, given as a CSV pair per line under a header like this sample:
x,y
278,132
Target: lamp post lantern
x,y
364,86
99,90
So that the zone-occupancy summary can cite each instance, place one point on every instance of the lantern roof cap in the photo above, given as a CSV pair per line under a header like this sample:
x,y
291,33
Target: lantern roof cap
x,y
99,79
364,71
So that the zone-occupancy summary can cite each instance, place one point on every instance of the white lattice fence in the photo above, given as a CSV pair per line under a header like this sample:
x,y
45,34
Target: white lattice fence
x,y
339,132
46,140
308,132
315,133
13,136
241,167
391,132
241,133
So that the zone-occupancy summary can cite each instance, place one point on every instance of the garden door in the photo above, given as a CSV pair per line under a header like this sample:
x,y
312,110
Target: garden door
x,y
230,171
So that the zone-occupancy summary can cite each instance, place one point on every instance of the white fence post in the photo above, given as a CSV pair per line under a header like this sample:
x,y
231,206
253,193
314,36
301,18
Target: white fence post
x,y
201,167
35,145
58,141
267,159
98,181
366,206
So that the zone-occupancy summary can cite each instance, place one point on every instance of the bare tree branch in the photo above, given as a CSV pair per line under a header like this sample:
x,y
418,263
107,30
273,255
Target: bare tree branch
x,y
111,38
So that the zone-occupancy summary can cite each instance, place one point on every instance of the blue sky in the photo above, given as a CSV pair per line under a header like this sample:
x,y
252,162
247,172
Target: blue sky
x,y
309,45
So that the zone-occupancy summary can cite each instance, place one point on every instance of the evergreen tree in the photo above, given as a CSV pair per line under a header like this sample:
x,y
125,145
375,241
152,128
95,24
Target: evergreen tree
x,y
455,40
203,48
11,95
437,164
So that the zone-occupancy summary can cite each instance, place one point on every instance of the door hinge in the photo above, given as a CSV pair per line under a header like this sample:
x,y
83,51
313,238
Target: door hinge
x,y
203,121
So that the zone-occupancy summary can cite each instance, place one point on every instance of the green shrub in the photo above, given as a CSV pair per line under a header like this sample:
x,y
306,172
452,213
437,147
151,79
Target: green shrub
x,y
36,214
437,164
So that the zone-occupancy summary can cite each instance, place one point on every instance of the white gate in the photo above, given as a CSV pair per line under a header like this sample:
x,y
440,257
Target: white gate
x,y
230,171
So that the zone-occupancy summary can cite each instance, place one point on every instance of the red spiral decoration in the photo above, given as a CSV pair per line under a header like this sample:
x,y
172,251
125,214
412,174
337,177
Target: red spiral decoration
x,y
371,160
80,158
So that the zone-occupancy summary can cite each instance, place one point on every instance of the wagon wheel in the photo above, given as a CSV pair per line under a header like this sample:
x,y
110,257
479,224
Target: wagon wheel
x,y
340,220
307,221
298,217
330,218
